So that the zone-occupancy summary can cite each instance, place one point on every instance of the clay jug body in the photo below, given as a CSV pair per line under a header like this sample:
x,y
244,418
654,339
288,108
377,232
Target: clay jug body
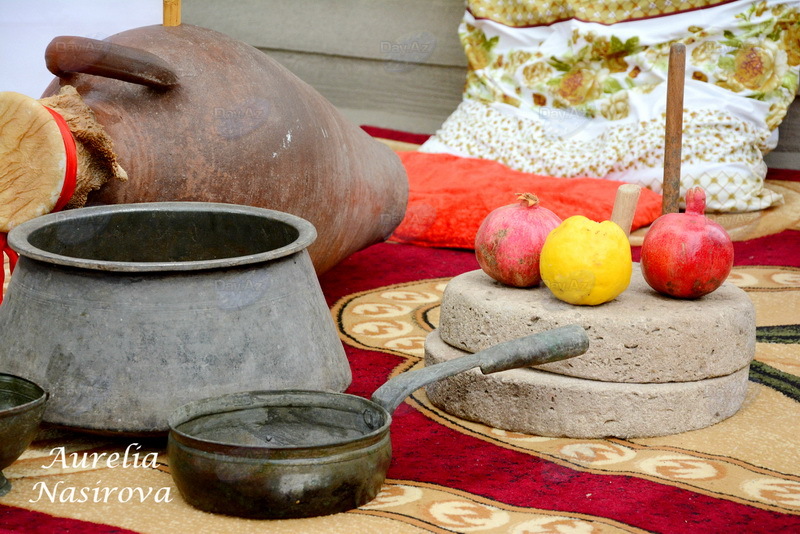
x,y
231,125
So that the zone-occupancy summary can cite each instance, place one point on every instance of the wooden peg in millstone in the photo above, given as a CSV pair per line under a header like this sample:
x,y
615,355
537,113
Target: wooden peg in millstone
x,y
674,130
625,206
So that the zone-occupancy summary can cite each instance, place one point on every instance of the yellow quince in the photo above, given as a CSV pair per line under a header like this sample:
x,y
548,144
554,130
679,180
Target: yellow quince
x,y
584,262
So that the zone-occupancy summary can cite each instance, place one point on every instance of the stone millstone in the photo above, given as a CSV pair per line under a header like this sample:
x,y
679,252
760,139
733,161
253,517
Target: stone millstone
x,y
640,337
548,404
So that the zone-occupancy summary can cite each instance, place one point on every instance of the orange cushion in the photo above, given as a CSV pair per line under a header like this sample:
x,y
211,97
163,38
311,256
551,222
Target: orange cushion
x,y
449,196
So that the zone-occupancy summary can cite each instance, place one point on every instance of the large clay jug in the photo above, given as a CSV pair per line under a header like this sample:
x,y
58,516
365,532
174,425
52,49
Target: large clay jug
x,y
195,115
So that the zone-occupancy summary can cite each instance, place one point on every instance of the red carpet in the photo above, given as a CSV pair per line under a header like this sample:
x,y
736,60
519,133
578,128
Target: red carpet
x,y
447,460
439,455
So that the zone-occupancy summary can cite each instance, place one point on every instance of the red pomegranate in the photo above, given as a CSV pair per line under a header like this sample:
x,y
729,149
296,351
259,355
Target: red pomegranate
x,y
510,239
687,255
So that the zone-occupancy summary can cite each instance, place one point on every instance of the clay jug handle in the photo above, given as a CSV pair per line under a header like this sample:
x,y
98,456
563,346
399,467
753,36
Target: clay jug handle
x,y
67,54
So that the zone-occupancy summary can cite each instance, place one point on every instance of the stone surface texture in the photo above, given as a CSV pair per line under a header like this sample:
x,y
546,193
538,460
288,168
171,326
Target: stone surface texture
x,y
549,404
640,337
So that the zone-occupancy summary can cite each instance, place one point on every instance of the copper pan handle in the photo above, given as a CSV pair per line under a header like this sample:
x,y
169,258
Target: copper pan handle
x,y
534,349
67,55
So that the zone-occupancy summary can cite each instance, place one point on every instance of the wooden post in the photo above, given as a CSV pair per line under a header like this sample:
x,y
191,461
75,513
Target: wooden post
x,y
673,137
625,206
172,12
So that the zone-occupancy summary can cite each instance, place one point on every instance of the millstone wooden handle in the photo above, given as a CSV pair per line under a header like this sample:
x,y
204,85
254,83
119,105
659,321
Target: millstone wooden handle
x,y
67,55
544,347
625,206
673,135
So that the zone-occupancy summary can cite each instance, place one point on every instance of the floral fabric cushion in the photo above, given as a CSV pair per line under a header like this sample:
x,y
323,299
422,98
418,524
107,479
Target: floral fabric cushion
x,y
578,88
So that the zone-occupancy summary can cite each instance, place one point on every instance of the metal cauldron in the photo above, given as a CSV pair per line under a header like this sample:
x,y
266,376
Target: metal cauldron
x,y
125,312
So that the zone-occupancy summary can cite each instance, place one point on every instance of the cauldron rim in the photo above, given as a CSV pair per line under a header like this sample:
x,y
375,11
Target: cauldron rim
x,y
19,237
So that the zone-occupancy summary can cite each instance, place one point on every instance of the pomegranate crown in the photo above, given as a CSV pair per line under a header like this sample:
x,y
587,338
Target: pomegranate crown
x,y
529,198
696,201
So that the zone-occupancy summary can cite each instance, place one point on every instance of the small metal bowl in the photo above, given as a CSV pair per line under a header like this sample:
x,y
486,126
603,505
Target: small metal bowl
x,y
22,404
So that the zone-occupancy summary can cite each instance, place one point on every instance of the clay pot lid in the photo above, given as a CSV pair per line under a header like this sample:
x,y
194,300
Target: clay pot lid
x,y
33,160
